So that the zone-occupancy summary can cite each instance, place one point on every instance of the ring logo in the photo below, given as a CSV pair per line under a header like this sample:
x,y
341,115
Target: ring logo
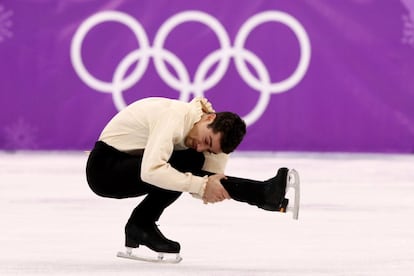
x,y
201,81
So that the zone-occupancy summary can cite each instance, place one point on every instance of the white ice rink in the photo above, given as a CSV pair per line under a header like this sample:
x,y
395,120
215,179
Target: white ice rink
x,y
356,219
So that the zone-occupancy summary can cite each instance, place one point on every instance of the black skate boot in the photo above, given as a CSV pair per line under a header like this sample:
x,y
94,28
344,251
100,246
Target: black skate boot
x,y
268,195
150,236
275,191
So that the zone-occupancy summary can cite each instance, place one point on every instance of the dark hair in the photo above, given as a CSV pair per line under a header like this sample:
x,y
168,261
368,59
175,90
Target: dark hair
x,y
232,129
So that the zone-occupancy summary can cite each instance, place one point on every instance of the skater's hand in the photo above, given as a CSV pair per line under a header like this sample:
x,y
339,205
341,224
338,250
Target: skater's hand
x,y
215,191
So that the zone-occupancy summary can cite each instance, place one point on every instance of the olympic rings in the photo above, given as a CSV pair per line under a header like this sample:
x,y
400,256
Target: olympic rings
x,y
201,82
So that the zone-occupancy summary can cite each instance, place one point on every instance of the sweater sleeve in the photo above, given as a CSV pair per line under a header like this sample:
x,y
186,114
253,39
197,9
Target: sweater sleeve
x,y
155,168
215,163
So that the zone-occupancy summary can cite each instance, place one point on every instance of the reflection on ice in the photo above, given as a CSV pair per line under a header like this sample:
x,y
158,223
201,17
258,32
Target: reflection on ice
x,y
355,219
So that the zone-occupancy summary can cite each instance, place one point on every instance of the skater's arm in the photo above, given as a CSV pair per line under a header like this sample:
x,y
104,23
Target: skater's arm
x,y
155,168
215,163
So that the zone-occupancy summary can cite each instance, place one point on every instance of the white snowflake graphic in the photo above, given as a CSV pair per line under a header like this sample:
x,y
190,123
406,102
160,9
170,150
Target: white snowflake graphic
x,y
408,31
5,23
408,20
20,135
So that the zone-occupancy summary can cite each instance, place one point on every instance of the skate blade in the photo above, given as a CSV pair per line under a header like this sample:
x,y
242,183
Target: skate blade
x,y
159,259
294,183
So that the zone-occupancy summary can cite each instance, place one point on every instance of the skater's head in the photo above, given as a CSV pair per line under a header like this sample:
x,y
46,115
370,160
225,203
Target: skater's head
x,y
217,132
232,129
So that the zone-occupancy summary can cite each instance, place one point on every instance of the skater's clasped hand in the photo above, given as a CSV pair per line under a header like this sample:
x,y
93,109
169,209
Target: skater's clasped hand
x,y
215,192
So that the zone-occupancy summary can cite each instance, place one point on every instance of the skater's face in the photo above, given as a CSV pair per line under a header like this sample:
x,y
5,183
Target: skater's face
x,y
202,138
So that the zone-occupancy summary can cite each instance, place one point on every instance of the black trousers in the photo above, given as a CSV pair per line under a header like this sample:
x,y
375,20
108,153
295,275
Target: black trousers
x,y
115,174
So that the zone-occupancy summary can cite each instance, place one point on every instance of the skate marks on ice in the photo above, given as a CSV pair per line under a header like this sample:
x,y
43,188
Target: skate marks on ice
x,y
354,220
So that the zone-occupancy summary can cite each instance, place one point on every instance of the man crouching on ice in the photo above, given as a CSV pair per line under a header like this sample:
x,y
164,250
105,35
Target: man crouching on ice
x,y
160,148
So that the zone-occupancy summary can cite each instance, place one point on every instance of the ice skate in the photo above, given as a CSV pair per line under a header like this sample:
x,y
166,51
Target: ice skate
x,y
276,194
293,182
166,258
151,237
274,199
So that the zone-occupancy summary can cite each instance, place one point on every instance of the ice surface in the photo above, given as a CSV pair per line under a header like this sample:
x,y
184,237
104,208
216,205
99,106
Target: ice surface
x,y
356,219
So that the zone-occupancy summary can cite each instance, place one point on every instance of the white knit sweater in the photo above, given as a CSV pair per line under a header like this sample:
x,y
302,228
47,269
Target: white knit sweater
x,y
159,126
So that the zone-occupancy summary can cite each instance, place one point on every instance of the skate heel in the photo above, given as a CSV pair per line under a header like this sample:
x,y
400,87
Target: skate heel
x,y
130,242
283,206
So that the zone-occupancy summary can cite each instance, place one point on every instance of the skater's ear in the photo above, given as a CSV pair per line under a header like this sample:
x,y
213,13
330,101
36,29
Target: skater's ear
x,y
209,117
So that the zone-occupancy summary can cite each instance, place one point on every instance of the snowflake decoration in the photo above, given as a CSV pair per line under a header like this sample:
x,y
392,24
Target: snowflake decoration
x,y
20,135
5,24
408,31
408,27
